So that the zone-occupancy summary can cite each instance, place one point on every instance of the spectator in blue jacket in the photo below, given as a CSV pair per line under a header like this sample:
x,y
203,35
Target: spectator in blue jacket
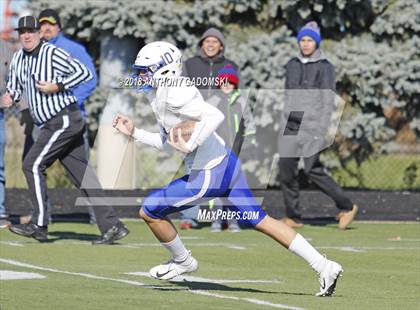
x,y
51,31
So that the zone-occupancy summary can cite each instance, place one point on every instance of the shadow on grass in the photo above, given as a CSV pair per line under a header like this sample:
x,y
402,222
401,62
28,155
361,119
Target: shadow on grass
x,y
208,286
71,235
306,294
296,294
319,221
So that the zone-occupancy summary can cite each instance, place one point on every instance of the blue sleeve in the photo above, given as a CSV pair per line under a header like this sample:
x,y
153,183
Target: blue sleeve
x,y
84,90
77,51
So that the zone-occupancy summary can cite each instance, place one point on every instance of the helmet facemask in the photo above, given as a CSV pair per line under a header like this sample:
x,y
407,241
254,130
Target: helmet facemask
x,y
145,75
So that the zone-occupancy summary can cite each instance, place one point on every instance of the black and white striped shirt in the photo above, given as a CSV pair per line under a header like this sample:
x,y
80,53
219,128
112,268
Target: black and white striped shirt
x,y
46,63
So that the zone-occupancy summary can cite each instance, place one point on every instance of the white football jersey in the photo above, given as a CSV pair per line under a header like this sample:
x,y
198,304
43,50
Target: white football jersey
x,y
174,104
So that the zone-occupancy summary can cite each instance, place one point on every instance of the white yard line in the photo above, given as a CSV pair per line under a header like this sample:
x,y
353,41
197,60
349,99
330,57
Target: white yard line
x,y
137,283
345,248
15,275
387,222
85,275
362,249
12,243
141,245
250,300
236,247
131,245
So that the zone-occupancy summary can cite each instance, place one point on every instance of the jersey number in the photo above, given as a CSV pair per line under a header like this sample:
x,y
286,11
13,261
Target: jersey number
x,y
167,58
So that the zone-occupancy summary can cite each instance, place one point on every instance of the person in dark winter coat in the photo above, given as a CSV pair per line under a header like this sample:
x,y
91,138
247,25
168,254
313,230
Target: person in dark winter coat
x,y
237,125
208,61
310,70
202,69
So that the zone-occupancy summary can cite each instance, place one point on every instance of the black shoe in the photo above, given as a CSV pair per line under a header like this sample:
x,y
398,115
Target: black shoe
x,y
116,232
4,223
30,230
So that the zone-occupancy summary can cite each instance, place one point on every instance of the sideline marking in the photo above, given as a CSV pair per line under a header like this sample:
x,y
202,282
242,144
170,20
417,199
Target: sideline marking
x,y
232,246
362,249
345,248
137,283
12,243
251,300
140,245
16,275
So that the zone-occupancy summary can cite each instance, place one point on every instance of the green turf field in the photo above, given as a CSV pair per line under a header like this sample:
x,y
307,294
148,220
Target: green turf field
x,y
237,271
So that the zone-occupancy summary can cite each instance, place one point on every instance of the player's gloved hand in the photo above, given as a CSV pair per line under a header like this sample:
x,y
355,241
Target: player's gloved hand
x,y
26,119
180,144
123,124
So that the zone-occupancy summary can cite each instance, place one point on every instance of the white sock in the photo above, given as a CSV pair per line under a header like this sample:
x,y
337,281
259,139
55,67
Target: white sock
x,y
304,249
177,249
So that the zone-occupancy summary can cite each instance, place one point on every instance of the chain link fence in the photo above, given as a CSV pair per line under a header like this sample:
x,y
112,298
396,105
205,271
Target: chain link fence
x,y
398,169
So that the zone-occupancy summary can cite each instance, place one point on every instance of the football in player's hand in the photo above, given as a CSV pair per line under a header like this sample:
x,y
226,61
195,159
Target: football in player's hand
x,y
186,127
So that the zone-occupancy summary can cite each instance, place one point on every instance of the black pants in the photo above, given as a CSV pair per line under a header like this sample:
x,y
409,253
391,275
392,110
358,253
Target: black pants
x,y
317,174
62,138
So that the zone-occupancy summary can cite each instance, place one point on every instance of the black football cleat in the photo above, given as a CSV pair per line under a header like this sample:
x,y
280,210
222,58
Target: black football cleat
x,y
31,230
115,233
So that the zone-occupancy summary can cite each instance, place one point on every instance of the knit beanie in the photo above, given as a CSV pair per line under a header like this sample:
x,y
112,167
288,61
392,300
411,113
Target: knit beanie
x,y
311,30
229,73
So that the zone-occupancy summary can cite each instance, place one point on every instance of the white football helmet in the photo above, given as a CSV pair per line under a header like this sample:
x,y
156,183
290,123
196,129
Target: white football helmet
x,y
156,61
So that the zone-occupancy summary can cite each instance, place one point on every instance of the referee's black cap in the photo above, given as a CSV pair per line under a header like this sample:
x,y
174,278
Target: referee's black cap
x,y
27,22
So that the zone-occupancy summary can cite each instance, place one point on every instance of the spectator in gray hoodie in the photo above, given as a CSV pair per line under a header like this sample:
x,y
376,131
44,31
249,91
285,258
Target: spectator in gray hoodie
x,y
210,59
310,70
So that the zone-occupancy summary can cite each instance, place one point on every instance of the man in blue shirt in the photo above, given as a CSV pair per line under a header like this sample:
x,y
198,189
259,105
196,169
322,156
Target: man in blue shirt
x,y
51,31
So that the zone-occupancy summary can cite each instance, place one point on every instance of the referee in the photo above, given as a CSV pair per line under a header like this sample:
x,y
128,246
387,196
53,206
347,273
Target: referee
x,y
46,74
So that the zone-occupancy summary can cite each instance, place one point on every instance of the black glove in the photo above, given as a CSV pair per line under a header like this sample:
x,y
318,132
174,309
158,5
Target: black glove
x,y
26,119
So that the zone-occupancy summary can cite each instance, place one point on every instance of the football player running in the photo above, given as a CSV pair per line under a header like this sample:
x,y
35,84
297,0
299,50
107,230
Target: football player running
x,y
214,171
